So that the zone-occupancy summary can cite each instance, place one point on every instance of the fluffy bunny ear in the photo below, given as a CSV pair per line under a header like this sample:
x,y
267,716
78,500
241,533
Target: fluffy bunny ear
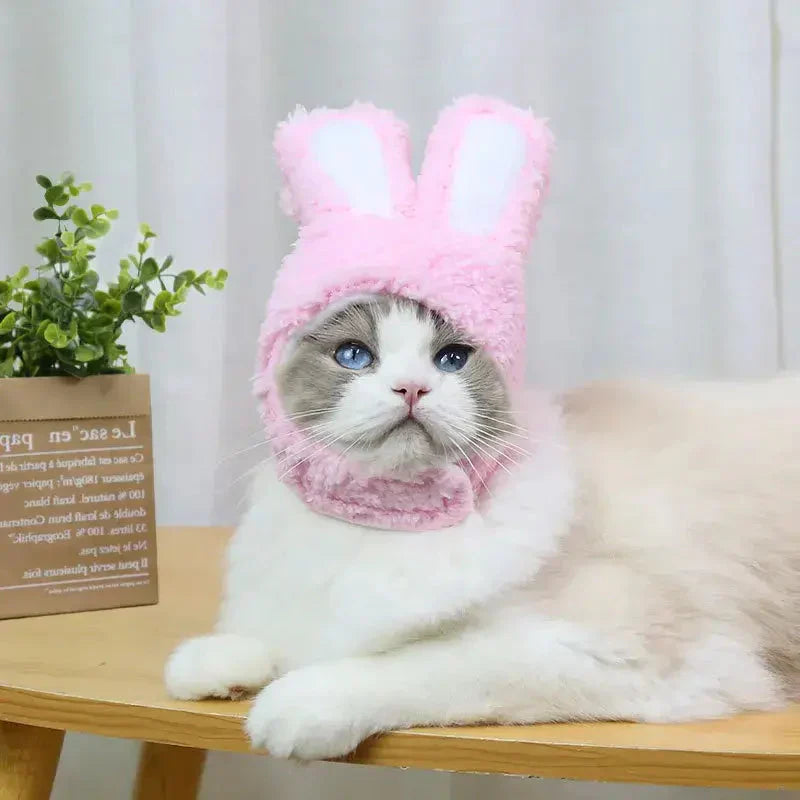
x,y
354,160
485,170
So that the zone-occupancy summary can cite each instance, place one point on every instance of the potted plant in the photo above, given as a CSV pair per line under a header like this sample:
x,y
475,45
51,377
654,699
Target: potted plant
x,y
77,515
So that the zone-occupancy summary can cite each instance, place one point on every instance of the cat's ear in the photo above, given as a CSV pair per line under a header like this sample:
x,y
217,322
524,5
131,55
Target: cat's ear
x,y
485,170
354,160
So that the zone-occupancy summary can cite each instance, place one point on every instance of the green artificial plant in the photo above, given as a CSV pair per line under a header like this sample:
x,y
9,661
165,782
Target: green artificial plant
x,y
57,321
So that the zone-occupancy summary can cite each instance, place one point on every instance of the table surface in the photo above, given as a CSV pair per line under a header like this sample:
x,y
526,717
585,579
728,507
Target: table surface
x,y
100,672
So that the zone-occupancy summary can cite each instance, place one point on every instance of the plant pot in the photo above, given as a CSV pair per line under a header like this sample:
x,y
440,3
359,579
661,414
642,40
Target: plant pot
x,y
77,512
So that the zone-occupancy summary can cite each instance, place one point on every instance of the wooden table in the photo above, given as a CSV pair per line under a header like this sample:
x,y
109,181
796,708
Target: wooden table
x,y
100,672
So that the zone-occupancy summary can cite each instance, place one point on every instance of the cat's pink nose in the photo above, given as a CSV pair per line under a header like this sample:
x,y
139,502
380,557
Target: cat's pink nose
x,y
411,392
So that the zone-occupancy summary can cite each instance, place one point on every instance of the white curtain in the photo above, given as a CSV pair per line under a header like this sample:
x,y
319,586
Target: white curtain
x,y
670,241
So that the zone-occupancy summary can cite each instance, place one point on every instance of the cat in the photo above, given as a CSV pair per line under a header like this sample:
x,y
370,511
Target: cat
x,y
636,558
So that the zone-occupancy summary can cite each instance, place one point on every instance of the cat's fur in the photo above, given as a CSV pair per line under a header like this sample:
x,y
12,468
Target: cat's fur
x,y
643,563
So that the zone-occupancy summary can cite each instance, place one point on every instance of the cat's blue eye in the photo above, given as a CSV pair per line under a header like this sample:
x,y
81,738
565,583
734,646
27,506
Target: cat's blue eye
x,y
452,358
352,355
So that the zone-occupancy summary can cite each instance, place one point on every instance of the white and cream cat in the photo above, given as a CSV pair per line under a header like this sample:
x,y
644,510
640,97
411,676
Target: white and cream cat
x,y
637,559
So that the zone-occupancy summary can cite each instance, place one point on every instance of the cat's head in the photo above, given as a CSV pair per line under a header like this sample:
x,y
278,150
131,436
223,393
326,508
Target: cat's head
x,y
396,386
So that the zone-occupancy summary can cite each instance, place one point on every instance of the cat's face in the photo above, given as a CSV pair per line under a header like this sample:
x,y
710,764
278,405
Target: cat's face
x,y
396,386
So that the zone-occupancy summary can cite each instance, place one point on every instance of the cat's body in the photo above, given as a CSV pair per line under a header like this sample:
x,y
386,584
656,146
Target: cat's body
x,y
641,562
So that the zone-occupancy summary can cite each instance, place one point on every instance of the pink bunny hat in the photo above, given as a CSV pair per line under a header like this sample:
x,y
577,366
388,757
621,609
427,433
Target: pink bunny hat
x,y
454,240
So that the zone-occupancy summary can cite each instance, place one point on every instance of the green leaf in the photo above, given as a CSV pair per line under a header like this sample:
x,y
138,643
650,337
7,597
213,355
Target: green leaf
x,y
51,287
85,301
79,266
178,283
103,321
8,322
85,187
44,181
53,193
49,249
97,228
157,322
97,209
74,191
111,306
132,302
142,247
67,179
51,333
69,365
217,281
56,196
146,230
91,279
44,213
163,301
68,238
149,270
80,217
88,352
112,213
167,264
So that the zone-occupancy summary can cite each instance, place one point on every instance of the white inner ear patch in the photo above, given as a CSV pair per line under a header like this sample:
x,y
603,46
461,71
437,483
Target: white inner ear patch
x,y
487,167
350,153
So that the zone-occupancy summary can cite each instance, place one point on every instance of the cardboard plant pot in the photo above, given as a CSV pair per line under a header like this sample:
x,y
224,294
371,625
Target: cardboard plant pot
x,y
77,513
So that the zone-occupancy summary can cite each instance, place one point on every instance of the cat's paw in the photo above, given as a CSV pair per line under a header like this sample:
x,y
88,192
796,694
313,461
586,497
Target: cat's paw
x,y
311,713
219,665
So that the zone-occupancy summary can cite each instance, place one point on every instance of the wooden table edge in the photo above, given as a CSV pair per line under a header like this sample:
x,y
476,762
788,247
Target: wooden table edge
x,y
418,748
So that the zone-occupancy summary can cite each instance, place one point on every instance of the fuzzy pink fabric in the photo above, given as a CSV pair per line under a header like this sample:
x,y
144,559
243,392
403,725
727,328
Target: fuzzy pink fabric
x,y
475,281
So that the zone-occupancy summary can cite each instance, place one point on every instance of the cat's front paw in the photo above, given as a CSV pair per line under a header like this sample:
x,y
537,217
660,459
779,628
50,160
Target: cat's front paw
x,y
312,713
219,665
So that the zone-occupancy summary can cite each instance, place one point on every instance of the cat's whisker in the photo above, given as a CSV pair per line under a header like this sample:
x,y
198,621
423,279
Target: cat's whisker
x,y
243,451
476,417
499,446
492,435
511,425
469,461
316,411
505,431
322,436
353,444
505,424
317,438
311,455
314,433
246,474
493,459
321,440
497,436
476,440
500,440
